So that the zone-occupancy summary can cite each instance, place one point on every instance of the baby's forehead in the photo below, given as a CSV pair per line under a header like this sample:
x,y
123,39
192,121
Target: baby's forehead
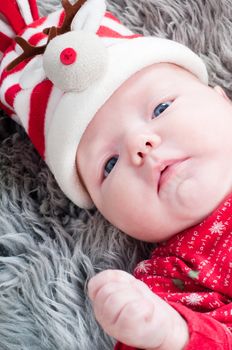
x,y
159,78
160,73
147,86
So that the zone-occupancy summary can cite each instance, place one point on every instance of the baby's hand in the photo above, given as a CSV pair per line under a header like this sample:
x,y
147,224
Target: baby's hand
x,y
128,310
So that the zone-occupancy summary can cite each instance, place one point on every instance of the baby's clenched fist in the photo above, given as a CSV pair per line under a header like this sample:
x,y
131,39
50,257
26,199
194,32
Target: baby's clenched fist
x,y
127,310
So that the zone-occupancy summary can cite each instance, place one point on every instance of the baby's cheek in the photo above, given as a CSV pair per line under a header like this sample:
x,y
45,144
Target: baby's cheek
x,y
112,207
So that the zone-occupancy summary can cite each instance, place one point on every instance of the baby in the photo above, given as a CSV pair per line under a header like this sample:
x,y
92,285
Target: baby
x,y
162,168
129,124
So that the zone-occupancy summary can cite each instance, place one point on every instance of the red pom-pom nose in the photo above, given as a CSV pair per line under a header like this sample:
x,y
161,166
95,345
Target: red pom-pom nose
x,y
68,56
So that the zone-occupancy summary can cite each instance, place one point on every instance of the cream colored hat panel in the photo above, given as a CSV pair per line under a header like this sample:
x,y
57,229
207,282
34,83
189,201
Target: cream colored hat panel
x,y
71,64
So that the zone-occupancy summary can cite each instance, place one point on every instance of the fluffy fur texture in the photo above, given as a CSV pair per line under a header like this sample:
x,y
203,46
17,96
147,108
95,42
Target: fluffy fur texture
x,y
48,247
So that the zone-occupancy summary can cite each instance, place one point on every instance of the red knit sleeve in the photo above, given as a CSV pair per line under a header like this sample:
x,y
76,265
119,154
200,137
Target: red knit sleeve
x,y
205,332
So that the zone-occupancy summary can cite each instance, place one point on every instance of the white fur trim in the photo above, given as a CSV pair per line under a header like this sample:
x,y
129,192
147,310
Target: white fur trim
x,y
76,110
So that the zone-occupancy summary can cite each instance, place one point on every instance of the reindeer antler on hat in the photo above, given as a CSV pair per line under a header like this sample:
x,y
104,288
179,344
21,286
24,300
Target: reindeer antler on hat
x,y
30,51
57,71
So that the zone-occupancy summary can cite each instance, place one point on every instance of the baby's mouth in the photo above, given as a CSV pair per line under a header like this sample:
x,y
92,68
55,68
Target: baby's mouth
x,y
168,170
162,177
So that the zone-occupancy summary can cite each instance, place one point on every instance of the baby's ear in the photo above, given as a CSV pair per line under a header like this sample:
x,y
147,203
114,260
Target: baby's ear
x,y
221,91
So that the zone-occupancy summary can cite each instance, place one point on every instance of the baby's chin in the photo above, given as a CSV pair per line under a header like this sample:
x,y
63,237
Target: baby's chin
x,y
188,194
198,200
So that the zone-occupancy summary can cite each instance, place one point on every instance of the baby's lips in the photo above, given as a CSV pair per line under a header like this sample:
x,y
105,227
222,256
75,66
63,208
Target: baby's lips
x,y
170,167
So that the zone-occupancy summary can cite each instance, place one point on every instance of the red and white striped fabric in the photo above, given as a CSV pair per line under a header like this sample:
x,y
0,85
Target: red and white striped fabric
x,y
21,18
15,16
29,97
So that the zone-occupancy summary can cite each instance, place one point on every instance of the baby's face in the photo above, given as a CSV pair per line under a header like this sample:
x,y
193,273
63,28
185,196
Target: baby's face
x,y
156,158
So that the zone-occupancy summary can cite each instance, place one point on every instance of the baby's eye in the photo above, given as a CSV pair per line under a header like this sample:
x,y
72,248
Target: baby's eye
x,y
109,165
161,108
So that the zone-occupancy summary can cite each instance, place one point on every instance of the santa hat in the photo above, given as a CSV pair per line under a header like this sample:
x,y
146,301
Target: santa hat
x,y
57,71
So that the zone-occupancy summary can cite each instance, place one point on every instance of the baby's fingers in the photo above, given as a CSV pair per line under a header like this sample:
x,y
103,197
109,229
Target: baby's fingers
x,y
123,312
111,300
106,277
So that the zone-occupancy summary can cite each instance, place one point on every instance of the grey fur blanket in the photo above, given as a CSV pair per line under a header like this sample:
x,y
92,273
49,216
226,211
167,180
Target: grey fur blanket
x,y
48,247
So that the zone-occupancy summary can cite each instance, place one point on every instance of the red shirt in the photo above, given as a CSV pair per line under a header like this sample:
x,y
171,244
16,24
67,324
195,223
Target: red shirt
x,y
193,272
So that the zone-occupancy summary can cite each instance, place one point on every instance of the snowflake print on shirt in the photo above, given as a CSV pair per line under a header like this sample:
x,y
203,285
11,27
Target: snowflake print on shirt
x,y
193,299
194,267
143,266
217,227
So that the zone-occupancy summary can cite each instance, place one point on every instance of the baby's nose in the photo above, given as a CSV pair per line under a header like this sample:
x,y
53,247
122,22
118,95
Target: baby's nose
x,y
141,145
